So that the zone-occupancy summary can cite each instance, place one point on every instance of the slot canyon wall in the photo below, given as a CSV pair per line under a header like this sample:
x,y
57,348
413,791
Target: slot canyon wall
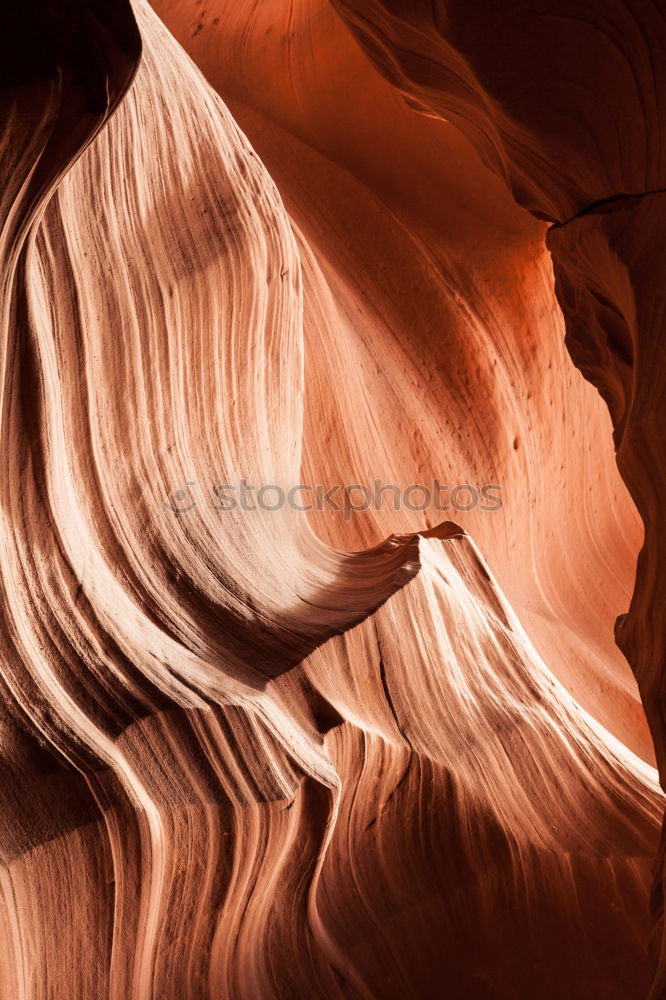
x,y
374,750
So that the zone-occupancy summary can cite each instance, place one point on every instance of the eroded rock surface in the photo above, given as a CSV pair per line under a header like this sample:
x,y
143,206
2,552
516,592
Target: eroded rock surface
x,y
386,753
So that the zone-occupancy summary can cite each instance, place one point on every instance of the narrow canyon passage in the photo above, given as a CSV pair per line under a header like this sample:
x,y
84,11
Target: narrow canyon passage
x,y
384,748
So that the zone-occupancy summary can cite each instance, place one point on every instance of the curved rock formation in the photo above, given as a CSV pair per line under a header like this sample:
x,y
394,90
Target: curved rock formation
x,y
254,752
570,110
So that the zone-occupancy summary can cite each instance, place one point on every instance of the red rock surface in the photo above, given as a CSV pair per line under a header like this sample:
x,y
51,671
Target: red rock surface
x,y
384,753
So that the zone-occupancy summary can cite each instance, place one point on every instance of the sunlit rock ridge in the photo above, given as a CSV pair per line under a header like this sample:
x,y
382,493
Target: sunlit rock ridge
x,y
317,248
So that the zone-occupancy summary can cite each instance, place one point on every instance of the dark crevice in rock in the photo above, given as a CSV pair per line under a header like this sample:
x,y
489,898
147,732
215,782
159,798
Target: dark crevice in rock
x,y
600,206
